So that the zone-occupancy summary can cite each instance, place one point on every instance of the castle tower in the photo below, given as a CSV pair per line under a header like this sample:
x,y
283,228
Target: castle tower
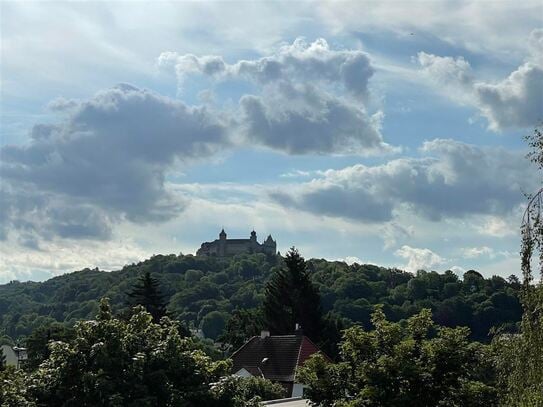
x,y
253,244
222,243
270,245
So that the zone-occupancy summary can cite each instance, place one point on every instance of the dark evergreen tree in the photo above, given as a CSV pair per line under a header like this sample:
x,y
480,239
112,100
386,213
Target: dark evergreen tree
x,y
147,292
291,298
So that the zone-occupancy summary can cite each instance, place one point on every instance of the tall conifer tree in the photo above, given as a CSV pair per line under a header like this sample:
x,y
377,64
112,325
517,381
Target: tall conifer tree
x,y
291,298
147,292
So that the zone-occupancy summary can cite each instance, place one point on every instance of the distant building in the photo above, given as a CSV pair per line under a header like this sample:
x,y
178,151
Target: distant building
x,y
15,356
223,247
276,358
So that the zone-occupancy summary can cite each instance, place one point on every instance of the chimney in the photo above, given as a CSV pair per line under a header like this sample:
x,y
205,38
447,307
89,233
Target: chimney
x,y
264,334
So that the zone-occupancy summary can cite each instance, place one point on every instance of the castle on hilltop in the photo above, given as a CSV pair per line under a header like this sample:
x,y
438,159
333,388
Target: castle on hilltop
x,y
222,246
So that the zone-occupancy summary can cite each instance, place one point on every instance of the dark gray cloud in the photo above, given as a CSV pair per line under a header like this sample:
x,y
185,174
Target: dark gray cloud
x,y
310,98
452,180
106,161
301,120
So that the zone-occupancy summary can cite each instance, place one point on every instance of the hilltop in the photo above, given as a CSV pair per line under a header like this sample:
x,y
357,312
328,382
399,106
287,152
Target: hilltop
x,y
203,291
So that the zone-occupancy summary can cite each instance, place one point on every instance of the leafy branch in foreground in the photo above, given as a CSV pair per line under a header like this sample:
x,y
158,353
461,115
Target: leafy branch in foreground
x,y
519,357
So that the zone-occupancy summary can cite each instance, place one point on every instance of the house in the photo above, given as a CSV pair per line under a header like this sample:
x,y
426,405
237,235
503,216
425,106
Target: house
x,y
15,356
275,358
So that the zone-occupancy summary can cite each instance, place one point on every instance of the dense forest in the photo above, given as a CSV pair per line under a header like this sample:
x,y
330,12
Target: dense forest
x,y
204,292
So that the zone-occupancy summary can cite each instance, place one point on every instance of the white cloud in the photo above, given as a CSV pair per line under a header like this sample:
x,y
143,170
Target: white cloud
x,y
474,252
60,256
309,97
300,60
459,271
418,259
451,180
516,101
498,227
446,69
350,260
296,174
454,73
499,30
119,40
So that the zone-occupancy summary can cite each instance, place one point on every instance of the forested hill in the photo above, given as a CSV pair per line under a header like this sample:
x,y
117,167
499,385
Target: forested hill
x,y
204,291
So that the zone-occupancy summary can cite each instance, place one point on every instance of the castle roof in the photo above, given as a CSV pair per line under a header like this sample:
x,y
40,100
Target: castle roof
x,y
238,240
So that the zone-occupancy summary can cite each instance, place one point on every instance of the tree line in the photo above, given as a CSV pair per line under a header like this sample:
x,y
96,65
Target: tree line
x,y
206,293
143,357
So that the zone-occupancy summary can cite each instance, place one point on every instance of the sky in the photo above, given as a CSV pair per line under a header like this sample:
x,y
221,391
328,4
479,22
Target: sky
x,y
386,132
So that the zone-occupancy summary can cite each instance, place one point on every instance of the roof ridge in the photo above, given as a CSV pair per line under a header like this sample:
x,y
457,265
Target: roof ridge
x,y
244,345
282,336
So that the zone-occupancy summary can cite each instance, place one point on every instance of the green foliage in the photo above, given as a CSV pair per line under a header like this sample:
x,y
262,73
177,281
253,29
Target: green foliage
x,y
242,325
213,324
419,364
197,286
519,359
113,362
136,362
13,389
37,344
236,391
146,292
291,298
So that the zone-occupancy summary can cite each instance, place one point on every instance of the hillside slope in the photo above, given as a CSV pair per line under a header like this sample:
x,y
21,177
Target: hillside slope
x,y
204,291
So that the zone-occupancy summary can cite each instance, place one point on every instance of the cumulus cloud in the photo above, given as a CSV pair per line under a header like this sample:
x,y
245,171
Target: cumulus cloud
x,y
314,61
418,259
516,101
309,98
327,125
446,69
451,180
105,161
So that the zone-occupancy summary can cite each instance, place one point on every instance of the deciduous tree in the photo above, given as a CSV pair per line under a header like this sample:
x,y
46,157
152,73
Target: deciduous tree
x,y
419,364
520,357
